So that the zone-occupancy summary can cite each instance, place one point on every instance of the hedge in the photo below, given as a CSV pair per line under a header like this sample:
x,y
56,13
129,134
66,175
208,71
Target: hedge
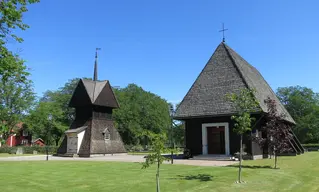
x,y
28,149
311,145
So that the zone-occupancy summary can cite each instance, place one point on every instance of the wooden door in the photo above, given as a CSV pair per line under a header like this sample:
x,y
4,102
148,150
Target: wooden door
x,y
72,144
216,140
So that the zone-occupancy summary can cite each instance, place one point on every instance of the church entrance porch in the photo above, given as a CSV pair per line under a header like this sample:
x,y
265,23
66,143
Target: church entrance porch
x,y
215,139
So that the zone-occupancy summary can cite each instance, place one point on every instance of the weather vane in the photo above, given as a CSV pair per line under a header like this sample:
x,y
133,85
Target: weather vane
x,y
97,49
223,30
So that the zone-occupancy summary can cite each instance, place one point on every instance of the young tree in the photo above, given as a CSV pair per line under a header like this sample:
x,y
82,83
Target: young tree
x,y
278,132
245,103
157,142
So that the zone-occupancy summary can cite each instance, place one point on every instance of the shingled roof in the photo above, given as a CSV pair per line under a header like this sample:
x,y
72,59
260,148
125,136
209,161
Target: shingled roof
x,y
225,72
90,92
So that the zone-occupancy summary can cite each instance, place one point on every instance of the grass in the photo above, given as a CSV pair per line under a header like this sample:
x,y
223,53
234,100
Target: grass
x,y
299,173
138,153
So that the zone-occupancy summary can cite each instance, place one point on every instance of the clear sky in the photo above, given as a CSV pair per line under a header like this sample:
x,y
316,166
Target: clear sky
x,y
163,45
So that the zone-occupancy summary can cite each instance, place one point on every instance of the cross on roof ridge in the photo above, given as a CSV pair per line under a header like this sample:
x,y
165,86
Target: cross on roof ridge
x,y
223,30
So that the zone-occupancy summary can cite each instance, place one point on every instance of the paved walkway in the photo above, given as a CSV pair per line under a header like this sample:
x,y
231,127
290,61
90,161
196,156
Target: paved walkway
x,y
118,158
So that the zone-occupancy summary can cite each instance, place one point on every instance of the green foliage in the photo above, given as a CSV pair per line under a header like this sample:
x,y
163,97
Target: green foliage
x,y
311,145
16,98
28,149
11,14
140,110
42,126
245,103
303,105
179,134
16,94
157,141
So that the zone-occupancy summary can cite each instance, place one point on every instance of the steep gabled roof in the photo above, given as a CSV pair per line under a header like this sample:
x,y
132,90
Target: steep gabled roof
x,y
225,72
90,92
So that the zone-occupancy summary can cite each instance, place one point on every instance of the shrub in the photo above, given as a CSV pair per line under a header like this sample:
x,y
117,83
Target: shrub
x,y
28,149
311,146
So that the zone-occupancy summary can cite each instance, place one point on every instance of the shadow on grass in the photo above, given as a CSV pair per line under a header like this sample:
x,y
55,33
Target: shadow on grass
x,y
252,166
199,177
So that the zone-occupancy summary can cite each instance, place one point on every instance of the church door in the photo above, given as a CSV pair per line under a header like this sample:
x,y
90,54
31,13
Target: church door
x,y
72,144
216,140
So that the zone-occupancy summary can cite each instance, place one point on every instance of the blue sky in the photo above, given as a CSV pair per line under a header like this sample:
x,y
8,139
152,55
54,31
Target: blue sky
x,y
163,45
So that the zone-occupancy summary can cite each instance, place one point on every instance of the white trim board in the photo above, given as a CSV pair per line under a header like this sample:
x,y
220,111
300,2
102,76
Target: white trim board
x,y
204,136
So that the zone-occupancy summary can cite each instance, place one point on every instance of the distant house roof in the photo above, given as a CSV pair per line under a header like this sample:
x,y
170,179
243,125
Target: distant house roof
x,y
89,92
77,130
225,72
38,139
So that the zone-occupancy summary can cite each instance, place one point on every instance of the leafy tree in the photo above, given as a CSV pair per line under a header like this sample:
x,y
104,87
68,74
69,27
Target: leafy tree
x,y
61,98
303,105
155,156
15,88
56,104
11,14
39,123
16,98
277,131
140,110
245,103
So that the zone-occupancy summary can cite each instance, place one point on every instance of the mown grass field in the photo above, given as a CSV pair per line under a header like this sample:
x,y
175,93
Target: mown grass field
x,y
299,173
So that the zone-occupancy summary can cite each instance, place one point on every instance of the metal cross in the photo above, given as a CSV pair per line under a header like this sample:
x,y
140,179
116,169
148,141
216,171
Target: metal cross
x,y
223,30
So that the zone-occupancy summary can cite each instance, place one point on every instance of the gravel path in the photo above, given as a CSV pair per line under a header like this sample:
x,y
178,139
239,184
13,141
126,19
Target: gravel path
x,y
118,158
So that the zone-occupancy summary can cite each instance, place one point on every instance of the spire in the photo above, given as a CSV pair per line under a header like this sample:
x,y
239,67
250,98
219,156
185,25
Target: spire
x,y
95,65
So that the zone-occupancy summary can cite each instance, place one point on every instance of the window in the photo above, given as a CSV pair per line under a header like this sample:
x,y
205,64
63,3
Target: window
x,y
107,135
257,133
25,133
24,142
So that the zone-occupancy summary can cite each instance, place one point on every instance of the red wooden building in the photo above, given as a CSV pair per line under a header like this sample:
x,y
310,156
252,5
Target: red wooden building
x,y
19,137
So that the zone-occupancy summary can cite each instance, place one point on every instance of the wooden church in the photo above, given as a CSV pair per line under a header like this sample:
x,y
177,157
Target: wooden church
x,y
92,131
207,114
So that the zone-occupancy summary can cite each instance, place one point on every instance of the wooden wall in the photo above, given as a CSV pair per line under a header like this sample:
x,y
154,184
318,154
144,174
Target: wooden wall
x,y
193,135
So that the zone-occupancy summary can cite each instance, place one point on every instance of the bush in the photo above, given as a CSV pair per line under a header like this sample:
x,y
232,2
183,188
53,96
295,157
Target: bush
x,y
28,149
311,146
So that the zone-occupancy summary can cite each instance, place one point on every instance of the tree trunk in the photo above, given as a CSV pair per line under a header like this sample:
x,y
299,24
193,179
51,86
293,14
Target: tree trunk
x,y
157,178
47,152
275,160
240,158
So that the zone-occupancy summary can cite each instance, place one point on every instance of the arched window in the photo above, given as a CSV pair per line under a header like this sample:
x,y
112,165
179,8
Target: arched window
x,y
107,135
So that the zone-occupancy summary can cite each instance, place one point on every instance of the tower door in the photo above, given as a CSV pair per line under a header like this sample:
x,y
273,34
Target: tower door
x,y
72,145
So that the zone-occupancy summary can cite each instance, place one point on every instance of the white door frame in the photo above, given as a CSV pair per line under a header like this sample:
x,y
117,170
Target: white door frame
x,y
204,136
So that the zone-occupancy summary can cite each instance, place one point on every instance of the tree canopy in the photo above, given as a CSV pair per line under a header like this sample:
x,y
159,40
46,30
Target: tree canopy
x,y
139,111
303,105
16,93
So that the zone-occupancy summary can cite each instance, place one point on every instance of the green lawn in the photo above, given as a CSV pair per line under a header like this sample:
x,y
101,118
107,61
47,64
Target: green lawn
x,y
299,173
